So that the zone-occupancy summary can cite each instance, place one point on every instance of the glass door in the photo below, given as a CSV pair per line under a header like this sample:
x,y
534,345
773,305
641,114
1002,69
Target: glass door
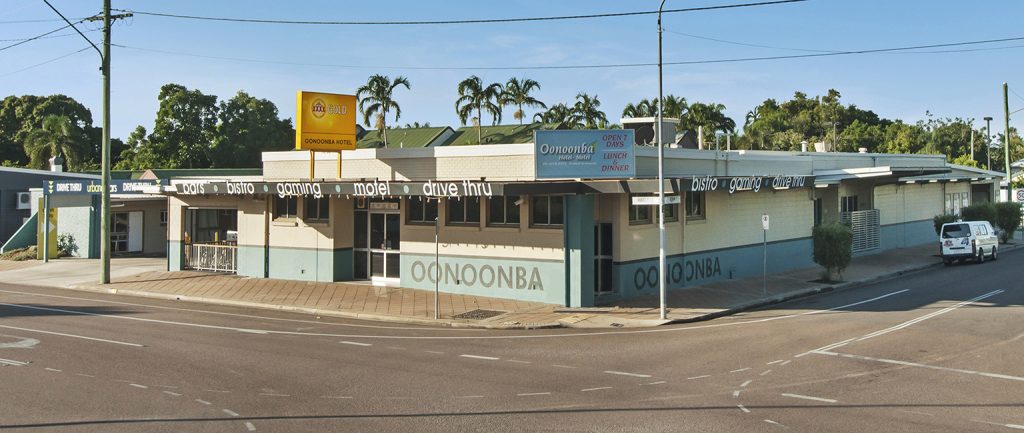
x,y
384,240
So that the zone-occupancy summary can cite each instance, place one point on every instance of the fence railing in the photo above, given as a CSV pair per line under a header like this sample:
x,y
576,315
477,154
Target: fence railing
x,y
211,257
865,226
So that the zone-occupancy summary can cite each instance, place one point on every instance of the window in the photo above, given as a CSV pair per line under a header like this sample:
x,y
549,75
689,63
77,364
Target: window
x,y
639,214
956,201
503,210
464,210
286,207
318,209
848,203
671,212
695,203
817,212
421,210
546,210
163,217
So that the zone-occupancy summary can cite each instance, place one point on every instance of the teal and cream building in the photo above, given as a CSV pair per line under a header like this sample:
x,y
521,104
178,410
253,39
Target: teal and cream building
x,y
514,219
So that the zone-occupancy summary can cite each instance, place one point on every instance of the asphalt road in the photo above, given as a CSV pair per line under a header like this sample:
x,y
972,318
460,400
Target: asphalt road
x,y
938,350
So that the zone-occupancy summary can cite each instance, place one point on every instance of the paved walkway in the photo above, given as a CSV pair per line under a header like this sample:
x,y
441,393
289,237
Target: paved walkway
x,y
147,277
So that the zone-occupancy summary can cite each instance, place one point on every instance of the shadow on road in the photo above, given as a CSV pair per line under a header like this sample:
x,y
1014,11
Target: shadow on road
x,y
34,310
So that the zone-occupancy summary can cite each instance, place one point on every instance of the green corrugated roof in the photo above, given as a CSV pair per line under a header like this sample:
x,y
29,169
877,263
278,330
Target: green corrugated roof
x,y
500,134
401,137
170,173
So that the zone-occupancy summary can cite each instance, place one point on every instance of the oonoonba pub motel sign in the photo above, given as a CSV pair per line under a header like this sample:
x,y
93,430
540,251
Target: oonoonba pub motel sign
x,y
325,121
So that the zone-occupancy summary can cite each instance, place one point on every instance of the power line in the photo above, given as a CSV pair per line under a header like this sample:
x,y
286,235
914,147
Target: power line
x,y
38,37
48,37
746,44
45,62
908,49
1015,93
471,21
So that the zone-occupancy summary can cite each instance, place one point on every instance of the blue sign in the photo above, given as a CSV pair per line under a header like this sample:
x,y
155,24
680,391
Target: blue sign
x,y
584,154
118,186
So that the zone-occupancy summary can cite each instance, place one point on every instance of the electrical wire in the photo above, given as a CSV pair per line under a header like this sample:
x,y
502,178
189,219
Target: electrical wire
x,y
45,62
49,37
908,49
37,37
447,22
1014,93
746,44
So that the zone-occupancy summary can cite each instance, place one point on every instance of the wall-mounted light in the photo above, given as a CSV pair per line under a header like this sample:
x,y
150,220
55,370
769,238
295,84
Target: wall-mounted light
x,y
518,202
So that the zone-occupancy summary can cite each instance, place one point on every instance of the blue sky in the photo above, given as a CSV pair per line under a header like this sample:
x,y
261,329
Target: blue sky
x,y
903,85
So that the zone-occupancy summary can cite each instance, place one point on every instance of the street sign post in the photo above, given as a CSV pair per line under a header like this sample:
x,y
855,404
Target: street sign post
x,y
764,270
653,200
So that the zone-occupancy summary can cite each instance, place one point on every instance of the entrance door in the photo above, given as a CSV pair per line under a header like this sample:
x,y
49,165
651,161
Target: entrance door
x,y
602,258
385,236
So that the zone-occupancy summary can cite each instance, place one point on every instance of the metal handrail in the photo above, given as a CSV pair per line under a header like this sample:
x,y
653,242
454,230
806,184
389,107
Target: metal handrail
x,y
216,257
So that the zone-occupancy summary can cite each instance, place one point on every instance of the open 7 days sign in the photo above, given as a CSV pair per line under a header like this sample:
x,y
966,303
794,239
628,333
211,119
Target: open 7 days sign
x,y
586,154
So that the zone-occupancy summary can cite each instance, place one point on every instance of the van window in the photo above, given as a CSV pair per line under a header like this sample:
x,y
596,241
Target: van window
x,y
956,231
980,230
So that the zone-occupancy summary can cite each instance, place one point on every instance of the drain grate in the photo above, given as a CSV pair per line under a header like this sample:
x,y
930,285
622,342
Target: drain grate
x,y
479,314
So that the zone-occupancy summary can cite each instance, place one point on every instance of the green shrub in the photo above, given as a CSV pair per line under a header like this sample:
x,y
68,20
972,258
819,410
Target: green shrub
x,y
66,245
939,220
979,212
1008,215
21,254
833,247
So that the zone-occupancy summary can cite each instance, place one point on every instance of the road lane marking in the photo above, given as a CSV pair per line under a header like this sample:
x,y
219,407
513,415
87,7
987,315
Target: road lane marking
x,y
765,372
698,377
171,393
773,422
528,394
250,427
354,343
624,373
787,362
138,386
103,340
203,401
739,370
807,397
22,343
562,366
519,362
84,375
53,370
270,394
1012,426
900,326
229,412
660,382
736,394
932,367
775,362
486,358
434,352
460,337
743,408
744,384
595,389
218,391
12,362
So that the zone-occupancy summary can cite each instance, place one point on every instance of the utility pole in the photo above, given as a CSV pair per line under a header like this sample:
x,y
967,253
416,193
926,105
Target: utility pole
x,y
1006,138
988,142
662,275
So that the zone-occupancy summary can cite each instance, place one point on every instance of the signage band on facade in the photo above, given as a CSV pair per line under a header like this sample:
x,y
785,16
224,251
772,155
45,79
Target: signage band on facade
x,y
746,183
117,186
430,188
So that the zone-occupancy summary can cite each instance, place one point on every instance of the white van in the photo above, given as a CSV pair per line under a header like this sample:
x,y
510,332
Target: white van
x,y
968,240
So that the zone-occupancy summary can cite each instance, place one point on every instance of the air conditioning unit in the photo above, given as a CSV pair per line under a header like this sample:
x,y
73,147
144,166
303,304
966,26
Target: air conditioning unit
x,y
24,200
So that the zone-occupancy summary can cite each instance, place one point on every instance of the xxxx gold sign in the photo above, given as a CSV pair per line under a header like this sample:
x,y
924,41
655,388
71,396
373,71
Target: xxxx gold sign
x,y
325,121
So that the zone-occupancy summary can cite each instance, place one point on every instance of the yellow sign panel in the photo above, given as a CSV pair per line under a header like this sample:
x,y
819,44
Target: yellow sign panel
x,y
325,121
48,222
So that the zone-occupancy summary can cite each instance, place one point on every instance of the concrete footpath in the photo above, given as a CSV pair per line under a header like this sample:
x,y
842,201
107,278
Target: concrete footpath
x,y
146,277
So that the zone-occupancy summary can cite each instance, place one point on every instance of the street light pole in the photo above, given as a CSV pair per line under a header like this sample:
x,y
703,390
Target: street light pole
x,y
988,142
661,179
105,194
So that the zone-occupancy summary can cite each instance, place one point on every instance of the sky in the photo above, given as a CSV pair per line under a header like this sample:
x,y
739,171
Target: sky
x,y
273,61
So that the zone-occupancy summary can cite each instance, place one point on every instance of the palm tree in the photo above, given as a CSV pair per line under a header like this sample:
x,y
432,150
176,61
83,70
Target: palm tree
x,y
709,116
675,108
518,93
58,136
377,92
587,113
558,113
644,108
473,95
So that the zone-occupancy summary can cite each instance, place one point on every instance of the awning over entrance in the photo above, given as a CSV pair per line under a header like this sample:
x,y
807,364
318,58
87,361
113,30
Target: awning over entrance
x,y
882,174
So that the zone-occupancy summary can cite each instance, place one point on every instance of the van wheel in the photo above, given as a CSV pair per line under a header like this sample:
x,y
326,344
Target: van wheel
x,y
995,253
947,262
981,255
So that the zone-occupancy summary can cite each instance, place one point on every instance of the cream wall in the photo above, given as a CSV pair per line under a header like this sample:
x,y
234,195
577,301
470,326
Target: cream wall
x,y
522,242
906,203
494,168
731,221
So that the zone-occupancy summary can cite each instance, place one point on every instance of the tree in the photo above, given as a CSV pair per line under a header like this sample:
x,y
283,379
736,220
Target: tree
x,y
517,92
57,136
832,244
675,108
377,93
20,115
137,153
1008,216
586,112
558,113
473,95
710,118
246,127
184,128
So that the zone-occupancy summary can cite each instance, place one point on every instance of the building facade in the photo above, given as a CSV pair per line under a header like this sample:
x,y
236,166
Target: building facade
x,y
484,220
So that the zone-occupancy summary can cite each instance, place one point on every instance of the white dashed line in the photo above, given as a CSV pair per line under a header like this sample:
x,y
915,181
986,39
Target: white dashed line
x,y
787,362
434,352
807,397
595,389
221,391
698,377
172,393
772,422
765,372
229,412
53,370
655,383
623,373
743,408
250,427
353,343
203,401
744,384
138,386
739,370
165,386
270,394
775,362
519,362
736,393
533,393
933,367
84,375
1013,426
562,366
486,358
